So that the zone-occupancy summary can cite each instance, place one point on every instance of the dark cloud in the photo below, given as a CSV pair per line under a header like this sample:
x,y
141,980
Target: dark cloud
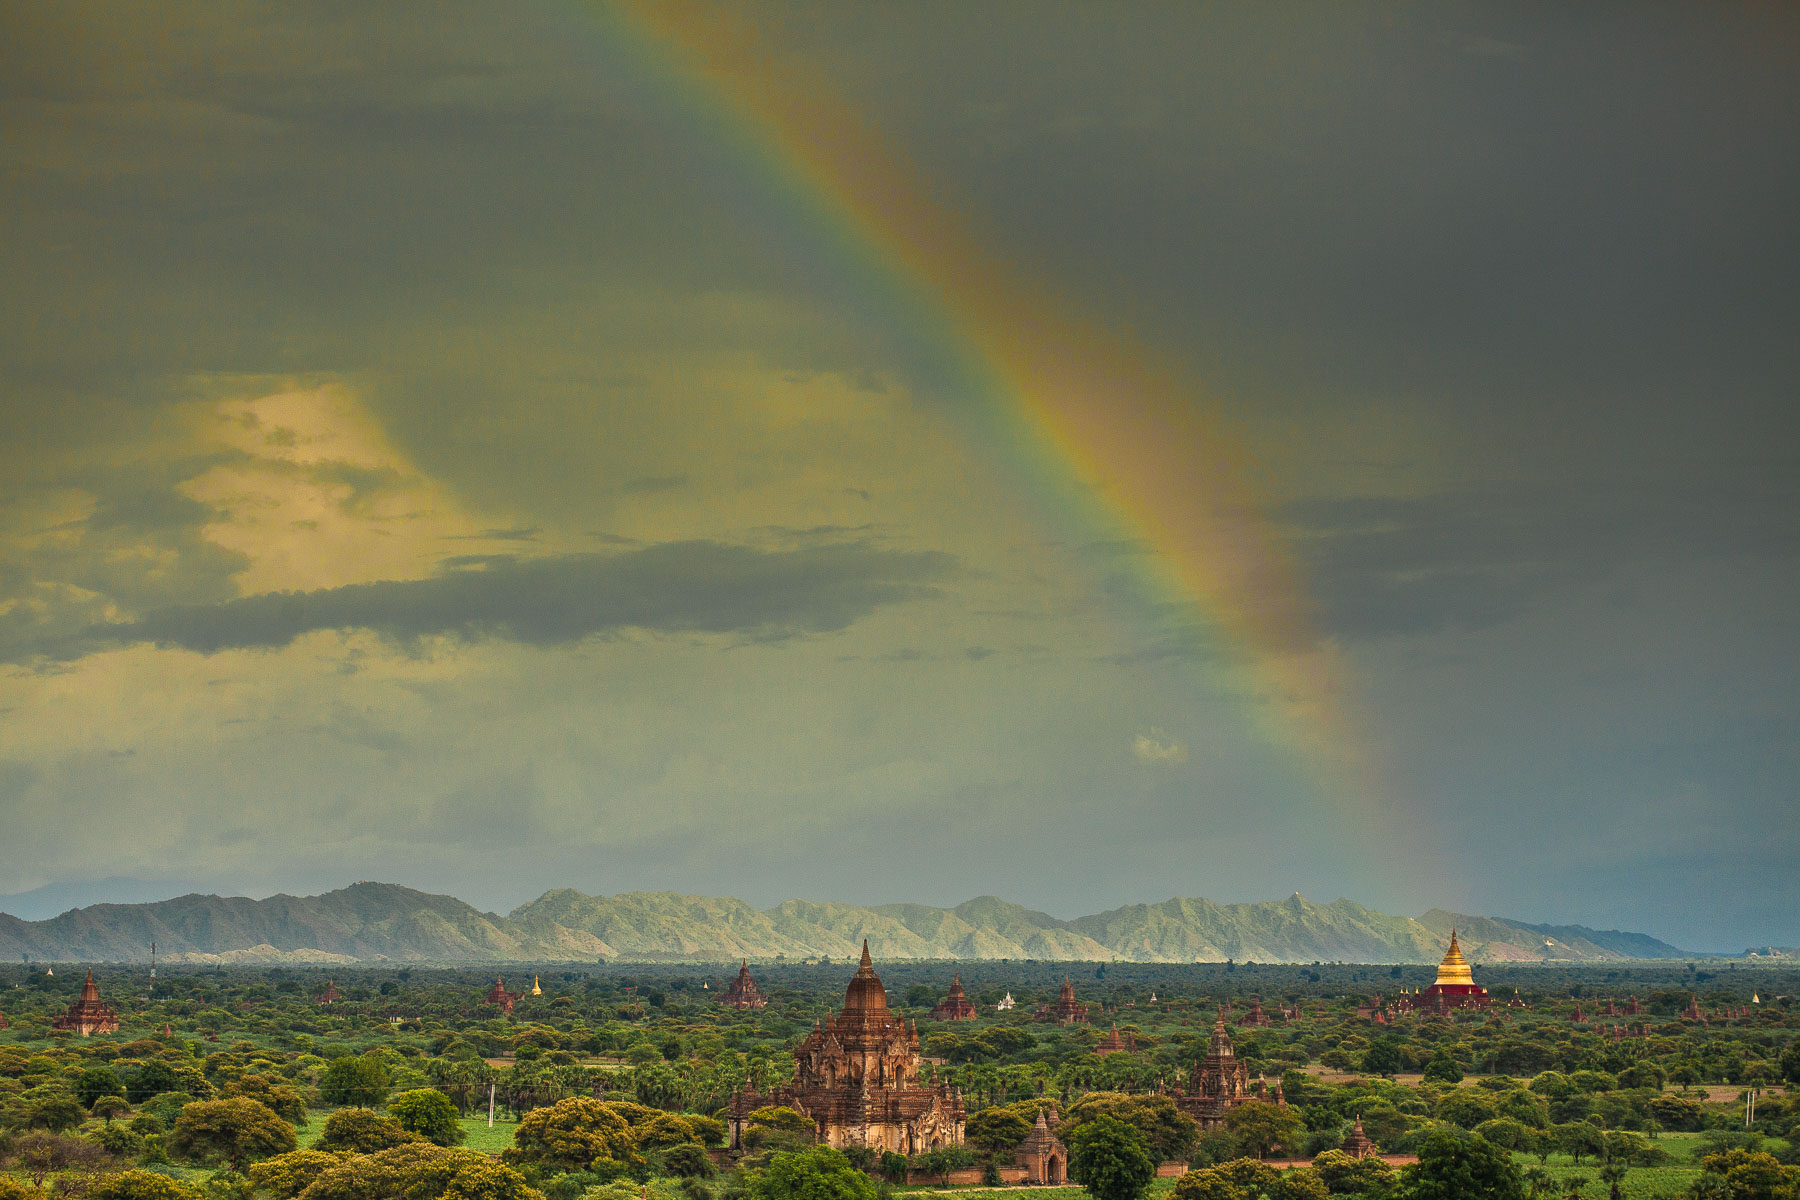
x,y
1466,560
685,587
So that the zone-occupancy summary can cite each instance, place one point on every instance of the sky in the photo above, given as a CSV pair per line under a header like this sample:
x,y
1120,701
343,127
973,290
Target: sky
x,y
907,452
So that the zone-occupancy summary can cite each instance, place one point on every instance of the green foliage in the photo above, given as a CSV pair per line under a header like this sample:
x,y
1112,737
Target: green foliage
x,y
997,1129
1460,1168
571,1135
1110,1158
688,1161
287,1175
428,1113
142,1185
238,1130
1443,1068
1168,1132
95,1082
1343,1175
361,1080
1383,1057
363,1131
817,1173
1260,1127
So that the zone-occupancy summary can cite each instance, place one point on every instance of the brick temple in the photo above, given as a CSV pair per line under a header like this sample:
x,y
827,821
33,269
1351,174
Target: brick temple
x,y
743,992
88,1016
1067,1010
1218,1082
499,997
857,1079
955,1005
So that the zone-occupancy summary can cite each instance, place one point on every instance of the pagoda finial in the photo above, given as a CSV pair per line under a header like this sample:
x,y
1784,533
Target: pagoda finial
x,y
866,962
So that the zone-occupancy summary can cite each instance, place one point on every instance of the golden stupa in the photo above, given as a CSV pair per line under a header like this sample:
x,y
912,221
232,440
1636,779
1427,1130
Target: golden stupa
x,y
538,991
1454,968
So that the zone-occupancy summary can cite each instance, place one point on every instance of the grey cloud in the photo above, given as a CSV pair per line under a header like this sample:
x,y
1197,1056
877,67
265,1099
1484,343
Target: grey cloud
x,y
1467,560
676,587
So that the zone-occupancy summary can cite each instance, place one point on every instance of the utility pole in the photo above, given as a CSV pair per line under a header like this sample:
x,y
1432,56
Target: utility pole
x,y
490,1104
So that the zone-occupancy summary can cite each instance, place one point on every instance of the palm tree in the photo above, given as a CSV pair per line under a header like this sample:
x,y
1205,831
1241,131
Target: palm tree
x,y
1540,1181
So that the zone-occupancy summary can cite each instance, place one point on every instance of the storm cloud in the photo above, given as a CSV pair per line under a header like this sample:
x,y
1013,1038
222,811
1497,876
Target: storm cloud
x,y
677,587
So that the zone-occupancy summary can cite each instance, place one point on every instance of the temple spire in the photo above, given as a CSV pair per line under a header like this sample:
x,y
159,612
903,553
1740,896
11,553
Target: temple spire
x,y
867,963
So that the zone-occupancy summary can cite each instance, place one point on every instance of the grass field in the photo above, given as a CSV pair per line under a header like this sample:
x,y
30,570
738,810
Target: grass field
x,y
476,1134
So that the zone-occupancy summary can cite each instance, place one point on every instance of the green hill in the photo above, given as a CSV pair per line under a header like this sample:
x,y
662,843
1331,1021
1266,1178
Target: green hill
x,y
375,921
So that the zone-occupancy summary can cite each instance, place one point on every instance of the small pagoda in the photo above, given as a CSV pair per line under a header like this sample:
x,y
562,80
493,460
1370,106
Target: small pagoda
x,y
955,1005
499,997
1116,1043
1358,1144
1256,1018
537,989
743,992
88,1016
330,995
1042,1157
1067,1010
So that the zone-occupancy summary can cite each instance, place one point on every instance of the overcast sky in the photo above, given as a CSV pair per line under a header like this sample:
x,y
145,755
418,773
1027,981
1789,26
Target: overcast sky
x,y
439,446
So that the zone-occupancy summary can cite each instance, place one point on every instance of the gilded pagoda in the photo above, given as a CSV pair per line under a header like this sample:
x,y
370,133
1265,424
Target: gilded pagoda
x,y
857,1079
1455,988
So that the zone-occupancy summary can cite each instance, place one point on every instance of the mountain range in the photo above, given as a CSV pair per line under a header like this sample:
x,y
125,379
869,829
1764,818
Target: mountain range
x,y
371,922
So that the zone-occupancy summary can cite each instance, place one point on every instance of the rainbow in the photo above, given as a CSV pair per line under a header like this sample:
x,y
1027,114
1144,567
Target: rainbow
x,y
1108,436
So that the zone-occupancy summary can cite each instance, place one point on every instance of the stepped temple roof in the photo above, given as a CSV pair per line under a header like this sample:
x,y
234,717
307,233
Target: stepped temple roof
x,y
955,1005
856,1077
743,992
88,1016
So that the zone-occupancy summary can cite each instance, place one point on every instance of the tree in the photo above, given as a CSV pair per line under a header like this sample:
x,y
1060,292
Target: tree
x,y
1260,1127
1208,1184
997,1130
816,1173
1460,1168
1612,1175
142,1185
1790,1062
1383,1057
287,1175
428,1113
1168,1132
1110,1158
363,1131
55,1110
1578,1138
571,1135
238,1130
945,1159
109,1107
96,1082
41,1153
359,1080
688,1161
1342,1174
1443,1068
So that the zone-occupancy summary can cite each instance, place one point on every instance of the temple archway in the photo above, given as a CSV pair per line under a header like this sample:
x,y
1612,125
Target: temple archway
x,y
1053,1169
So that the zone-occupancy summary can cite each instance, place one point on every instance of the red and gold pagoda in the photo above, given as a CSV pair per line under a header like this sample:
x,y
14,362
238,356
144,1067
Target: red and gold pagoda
x,y
1455,988
88,1016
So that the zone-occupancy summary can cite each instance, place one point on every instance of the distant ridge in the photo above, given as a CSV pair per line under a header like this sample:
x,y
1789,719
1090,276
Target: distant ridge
x,y
384,922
